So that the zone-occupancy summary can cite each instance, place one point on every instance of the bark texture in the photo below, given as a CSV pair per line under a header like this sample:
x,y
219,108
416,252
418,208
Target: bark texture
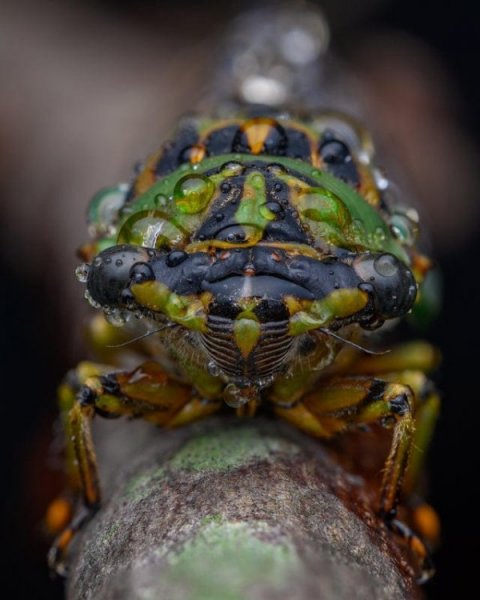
x,y
232,510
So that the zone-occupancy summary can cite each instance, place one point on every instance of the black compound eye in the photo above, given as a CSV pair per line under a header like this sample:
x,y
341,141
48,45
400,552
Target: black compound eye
x,y
141,272
389,282
338,160
110,273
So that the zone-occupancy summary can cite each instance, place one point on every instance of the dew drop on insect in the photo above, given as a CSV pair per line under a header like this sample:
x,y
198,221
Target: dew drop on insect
x,y
115,317
98,261
386,265
118,262
193,193
232,168
273,207
275,169
257,179
234,396
91,301
81,272
176,257
379,235
357,228
160,200
213,369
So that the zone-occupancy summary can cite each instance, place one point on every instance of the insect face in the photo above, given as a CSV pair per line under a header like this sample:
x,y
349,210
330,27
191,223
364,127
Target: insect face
x,y
273,258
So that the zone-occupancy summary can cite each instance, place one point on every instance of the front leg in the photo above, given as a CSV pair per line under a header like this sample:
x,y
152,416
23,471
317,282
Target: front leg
x,y
92,389
343,403
347,402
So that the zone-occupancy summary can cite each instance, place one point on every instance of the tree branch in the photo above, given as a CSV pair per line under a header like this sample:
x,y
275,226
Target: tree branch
x,y
233,510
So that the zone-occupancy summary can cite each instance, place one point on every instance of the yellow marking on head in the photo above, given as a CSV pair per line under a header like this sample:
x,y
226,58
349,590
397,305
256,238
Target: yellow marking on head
x,y
197,153
256,131
336,305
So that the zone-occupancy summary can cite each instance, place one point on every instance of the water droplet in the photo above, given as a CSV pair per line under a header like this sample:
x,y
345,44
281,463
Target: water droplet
x,y
226,187
141,272
91,301
150,229
380,179
275,208
357,228
175,258
160,200
115,316
275,169
213,369
219,216
386,265
234,396
236,236
257,180
119,262
98,261
193,193
81,272
278,187
232,168
379,235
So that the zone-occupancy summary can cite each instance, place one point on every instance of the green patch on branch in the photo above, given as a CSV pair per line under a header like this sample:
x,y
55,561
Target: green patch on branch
x,y
227,450
224,559
140,486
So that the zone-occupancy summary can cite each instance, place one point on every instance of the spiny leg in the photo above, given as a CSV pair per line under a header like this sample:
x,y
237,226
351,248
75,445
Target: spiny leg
x,y
146,392
408,364
343,403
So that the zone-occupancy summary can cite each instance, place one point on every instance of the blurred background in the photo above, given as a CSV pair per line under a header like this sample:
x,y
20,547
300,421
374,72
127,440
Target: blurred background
x,y
88,88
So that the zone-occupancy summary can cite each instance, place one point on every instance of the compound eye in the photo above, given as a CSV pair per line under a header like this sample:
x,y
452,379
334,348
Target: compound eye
x,y
110,273
338,159
389,282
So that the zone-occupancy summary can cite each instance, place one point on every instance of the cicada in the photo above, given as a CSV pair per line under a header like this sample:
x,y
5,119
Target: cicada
x,y
253,261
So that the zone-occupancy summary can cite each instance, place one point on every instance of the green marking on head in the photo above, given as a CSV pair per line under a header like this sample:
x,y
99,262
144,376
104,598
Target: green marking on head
x,y
247,332
252,212
340,303
330,207
184,310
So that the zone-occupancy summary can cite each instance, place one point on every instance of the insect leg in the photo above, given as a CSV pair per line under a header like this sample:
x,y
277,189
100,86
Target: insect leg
x,y
407,364
346,402
93,389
